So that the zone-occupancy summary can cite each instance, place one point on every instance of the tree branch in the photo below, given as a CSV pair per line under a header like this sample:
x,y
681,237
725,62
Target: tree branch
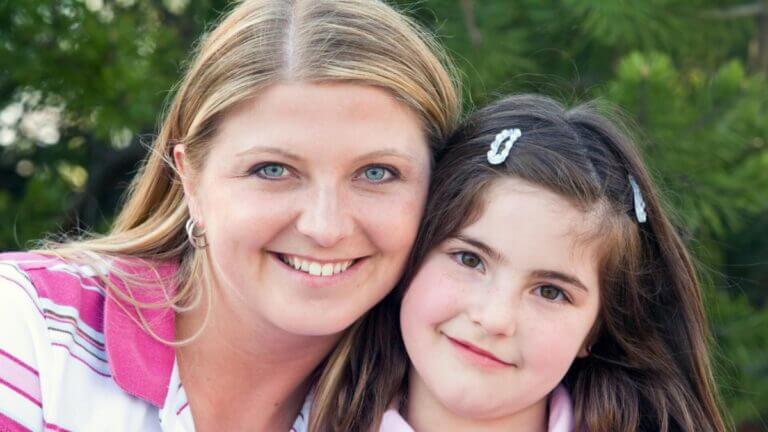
x,y
759,60
470,21
741,11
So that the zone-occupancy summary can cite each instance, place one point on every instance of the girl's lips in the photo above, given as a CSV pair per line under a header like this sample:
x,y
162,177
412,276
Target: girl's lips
x,y
486,358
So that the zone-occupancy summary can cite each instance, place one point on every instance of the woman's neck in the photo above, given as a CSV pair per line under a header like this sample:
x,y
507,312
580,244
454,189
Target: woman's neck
x,y
245,375
424,412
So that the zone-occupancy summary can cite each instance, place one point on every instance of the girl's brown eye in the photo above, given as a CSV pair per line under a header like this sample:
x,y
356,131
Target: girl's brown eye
x,y
550,292
470,260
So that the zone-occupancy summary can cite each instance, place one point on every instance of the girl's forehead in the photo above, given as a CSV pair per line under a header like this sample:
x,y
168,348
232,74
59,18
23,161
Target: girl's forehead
x,y
520,202
533,227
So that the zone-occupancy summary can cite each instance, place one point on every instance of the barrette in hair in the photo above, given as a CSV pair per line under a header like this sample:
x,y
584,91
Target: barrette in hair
x,y
502,144
640,213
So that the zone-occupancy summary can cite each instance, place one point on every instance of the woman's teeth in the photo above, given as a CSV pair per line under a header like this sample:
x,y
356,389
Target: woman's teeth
x,y
315,268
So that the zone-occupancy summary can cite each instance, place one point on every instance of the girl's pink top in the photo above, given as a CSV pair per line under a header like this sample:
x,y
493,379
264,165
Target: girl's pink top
x,y
560,415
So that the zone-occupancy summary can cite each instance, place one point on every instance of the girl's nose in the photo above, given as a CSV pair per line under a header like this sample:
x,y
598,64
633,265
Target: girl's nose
x,y
496,313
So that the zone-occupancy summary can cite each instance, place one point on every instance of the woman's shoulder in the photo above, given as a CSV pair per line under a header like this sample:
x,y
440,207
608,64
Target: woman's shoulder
x,y
52,278
47,307
56,361
81,283
48,303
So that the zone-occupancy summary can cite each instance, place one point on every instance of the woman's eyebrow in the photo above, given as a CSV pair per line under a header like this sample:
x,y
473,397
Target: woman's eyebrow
x,y
273,150
563,277
293,156
387,153
488,250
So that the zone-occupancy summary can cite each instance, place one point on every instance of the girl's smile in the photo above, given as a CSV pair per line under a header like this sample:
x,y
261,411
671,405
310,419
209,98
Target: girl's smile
x,y
496,315
478,356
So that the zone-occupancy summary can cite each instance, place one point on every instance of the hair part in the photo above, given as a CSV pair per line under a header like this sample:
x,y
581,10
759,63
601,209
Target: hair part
x,y
257,44
648,367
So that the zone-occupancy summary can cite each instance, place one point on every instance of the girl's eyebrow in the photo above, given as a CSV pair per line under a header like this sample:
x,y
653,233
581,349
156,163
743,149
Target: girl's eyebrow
x,y
562,277
493,253
542,274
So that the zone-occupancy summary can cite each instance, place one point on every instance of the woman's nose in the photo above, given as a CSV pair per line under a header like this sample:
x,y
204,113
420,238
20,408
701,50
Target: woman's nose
x,y
325,217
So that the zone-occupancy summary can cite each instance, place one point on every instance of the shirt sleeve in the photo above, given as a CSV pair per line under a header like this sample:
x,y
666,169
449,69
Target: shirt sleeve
x,y
23,334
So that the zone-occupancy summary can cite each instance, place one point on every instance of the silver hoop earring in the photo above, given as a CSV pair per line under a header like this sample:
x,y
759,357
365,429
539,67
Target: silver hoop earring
x,y
196,235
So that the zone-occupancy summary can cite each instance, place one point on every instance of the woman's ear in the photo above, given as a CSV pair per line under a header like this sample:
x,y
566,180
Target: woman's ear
x,y
180,159
184,171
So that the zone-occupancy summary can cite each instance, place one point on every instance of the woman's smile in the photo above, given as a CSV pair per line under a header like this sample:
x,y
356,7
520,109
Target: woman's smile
x,y
317,273
308,225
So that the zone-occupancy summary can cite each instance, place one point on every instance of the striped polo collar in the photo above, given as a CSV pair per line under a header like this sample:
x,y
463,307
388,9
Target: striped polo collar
x,y
140,363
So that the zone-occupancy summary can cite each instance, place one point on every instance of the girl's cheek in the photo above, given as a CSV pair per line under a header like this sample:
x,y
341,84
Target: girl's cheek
x,y
432,297
551,345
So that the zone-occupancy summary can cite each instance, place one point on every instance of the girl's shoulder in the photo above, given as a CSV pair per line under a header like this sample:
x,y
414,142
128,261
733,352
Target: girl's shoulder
x,y
560,415
392,421
560,410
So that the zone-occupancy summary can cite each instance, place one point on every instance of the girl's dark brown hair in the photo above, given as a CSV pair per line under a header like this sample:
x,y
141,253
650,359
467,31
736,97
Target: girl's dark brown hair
x,y
648,368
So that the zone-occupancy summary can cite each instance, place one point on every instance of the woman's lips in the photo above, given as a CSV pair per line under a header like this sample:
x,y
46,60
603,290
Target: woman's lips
x,y
476,353
321,281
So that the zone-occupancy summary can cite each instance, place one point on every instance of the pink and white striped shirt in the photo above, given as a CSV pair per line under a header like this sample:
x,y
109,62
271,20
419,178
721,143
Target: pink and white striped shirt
x,y
73,359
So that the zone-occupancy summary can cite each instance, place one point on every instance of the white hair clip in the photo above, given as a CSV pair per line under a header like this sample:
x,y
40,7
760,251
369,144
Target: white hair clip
x,y
640,213
502,144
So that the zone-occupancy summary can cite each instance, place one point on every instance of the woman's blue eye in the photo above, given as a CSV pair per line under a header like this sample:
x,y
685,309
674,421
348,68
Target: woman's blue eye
x,y
377,174
272,170
551,293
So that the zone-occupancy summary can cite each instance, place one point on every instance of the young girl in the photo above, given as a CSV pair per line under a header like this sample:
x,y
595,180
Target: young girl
x,y
552,293
239,281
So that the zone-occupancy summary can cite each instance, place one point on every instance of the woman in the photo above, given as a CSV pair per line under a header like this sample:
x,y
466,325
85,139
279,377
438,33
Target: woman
x,y
277,206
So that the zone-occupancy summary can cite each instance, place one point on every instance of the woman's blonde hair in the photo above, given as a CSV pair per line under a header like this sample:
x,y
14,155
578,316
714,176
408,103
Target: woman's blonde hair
x,y
257,44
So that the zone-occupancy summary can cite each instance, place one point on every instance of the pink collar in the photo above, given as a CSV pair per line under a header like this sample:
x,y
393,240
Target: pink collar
x,y
560,410
140,364
560,415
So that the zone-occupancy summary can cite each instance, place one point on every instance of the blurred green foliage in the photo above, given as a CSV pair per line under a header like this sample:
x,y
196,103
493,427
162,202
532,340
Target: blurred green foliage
x,y
690,74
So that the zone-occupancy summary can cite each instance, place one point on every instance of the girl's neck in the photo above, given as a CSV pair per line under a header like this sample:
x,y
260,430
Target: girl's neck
x,y
424,412
235,369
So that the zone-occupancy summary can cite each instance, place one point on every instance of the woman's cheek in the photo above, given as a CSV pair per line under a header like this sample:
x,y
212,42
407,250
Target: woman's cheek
x,y
392,219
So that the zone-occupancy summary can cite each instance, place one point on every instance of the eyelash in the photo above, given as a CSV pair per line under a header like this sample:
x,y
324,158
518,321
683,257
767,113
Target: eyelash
x,y
256,170
394,174
562,296
457,256
392,171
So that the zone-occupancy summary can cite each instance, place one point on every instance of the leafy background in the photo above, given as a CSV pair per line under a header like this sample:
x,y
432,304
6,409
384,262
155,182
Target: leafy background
x,y
83,82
